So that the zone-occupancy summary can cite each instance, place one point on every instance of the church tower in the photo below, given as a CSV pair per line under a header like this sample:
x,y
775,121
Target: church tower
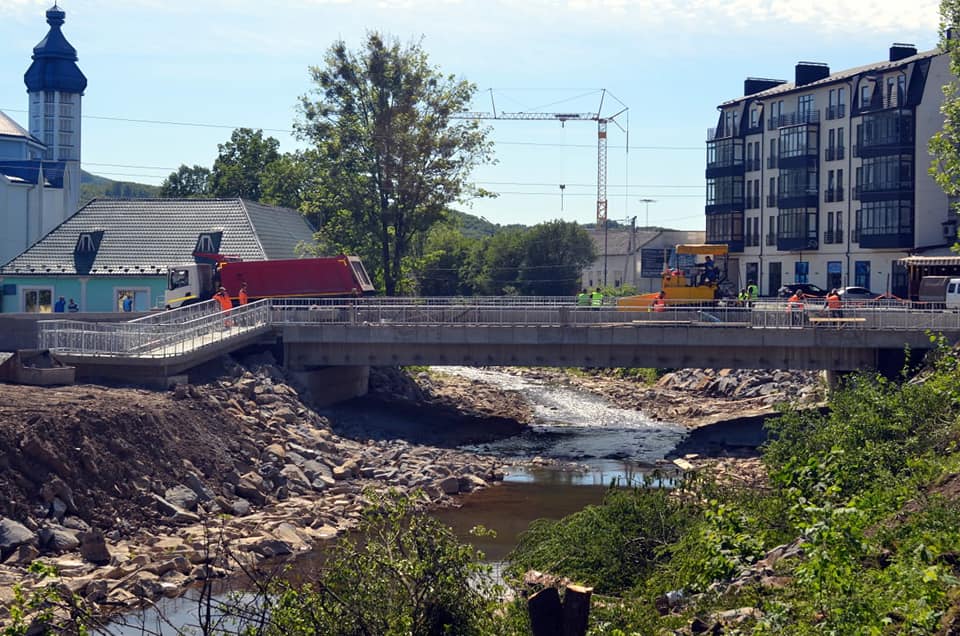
x,y
55,87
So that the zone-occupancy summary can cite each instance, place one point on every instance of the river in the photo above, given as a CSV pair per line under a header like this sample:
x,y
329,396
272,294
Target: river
x,y
608,444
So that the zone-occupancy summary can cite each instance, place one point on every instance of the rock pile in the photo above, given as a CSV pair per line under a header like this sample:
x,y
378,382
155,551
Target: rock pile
x,y
123,490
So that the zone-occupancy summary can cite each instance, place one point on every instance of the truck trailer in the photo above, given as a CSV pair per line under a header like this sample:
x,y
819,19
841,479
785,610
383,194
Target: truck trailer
x,y
337,276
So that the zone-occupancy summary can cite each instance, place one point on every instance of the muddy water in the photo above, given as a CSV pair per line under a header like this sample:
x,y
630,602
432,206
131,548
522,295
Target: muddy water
x,y
608,444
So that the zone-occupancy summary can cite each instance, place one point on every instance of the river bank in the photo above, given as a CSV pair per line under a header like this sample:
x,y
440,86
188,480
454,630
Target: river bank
x,y
135,495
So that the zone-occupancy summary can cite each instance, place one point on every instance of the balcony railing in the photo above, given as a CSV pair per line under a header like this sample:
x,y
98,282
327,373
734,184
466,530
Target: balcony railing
x,y
833,194
752,164
834,153
888,101
837,111
793,119
771,200
885,186
771,162
771,239
831,237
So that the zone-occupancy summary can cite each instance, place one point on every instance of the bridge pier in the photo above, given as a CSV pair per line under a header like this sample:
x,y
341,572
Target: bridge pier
x,y
329,385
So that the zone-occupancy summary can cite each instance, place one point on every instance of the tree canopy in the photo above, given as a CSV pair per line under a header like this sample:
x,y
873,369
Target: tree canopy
x,y
390,153
239,169
186,183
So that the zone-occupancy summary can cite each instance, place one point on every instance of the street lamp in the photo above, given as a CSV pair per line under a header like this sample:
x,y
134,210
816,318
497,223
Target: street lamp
x,y
647,203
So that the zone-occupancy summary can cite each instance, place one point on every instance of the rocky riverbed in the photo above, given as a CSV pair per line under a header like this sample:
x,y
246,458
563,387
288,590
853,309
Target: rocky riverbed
x,y
133,495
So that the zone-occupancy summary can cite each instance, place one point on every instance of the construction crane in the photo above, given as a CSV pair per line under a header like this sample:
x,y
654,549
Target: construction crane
x,y
563,118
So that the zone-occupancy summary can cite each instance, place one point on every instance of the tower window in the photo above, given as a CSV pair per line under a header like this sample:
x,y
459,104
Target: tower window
x,y
88,242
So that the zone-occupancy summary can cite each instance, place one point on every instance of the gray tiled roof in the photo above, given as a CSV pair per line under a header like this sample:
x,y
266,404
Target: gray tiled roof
x,y
836,77
145,236
10,128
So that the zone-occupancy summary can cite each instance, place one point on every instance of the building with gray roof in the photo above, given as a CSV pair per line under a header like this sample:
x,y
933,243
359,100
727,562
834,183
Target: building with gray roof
x,y
825,179
112,247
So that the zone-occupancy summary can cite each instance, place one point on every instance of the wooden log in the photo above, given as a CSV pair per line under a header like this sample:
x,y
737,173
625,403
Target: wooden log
x,y
576,610
546,612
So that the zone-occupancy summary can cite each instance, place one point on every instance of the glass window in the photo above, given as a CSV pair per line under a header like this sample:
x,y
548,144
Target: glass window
x,y
840,137
801,272
38,300
805,104
861,276
864,95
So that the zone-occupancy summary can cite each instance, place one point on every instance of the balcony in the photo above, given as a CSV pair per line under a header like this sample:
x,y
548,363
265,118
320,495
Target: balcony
x,y
833,194
885,133
771,162
884,103
771,200
833,154
798,198
771,239
884,190
752,165
751,240
838,111
833,237
794,119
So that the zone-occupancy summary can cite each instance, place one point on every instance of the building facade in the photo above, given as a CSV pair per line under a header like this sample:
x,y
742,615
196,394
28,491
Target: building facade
x,y
113,248
40,168
633,257
825,180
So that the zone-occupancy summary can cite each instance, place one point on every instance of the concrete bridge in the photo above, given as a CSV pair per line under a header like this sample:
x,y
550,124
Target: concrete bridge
x,y
501,331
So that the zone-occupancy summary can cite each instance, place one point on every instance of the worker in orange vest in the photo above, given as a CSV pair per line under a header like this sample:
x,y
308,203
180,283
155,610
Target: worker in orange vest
x,y
834,303
660,302
795,308
242,296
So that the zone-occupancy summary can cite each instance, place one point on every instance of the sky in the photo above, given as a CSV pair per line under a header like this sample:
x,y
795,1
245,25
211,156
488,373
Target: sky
x,y
192,71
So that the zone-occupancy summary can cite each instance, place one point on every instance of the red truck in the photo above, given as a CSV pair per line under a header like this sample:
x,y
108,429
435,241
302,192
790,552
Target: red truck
x,y
298,277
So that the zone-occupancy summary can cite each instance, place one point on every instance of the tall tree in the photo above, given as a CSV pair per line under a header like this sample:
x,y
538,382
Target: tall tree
x,y
555,254
186,183
392,156
945,145
239,168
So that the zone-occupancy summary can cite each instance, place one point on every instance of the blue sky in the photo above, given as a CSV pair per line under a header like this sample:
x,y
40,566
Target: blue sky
x,y
230,63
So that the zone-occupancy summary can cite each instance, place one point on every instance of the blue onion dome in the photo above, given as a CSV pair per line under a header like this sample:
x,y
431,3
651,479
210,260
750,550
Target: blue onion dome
x,y
54,64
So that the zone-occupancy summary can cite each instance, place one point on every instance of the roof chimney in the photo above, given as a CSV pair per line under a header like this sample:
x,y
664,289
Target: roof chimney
x,y
898,51
753,85
808,72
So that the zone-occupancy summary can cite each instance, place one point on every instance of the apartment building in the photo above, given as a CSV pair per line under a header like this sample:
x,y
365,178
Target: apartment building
x,y
825,180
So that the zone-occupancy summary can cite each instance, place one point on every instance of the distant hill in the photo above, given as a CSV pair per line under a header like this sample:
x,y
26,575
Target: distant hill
x,y
94,187
478,227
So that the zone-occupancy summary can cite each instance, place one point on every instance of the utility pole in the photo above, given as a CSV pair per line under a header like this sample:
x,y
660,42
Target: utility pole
x,y
647,203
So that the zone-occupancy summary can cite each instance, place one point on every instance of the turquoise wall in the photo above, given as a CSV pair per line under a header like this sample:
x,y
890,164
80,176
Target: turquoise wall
x,y
101,291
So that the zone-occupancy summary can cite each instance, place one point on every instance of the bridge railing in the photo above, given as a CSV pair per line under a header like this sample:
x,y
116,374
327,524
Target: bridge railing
x,y
151,340
180,314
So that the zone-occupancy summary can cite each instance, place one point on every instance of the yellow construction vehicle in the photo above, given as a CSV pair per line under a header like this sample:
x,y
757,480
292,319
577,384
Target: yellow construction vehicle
x,y
699,285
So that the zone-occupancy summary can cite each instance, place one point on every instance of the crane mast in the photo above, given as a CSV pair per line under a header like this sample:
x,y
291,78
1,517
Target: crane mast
x,y
563,118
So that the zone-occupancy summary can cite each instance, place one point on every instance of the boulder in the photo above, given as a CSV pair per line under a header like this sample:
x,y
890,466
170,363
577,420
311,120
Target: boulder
x,y
194,483
59,539
449,485
182,497
239,507
93,547
469,483
251,487
12,535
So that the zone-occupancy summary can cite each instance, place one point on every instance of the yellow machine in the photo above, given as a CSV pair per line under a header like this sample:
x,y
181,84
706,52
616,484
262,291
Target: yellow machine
x,y
678,288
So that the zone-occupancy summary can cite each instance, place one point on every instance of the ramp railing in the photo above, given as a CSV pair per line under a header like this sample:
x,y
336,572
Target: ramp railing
x,y
145,339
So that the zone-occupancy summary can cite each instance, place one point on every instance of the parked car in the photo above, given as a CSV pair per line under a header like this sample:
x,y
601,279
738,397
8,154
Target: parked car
x,y
856,293
808,289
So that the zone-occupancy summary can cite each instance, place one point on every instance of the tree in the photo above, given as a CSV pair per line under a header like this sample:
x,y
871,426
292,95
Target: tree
x,y
446,255
402,573
392,158
945,145
239,169
186,183
555,254
499,262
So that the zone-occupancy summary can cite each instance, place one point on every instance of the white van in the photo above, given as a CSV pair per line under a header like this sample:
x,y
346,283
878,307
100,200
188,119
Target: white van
x,y
940,291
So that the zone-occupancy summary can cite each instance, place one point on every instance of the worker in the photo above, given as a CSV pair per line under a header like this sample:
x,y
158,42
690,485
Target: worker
x,y
226,304
742,297
834,304
795,308
753,292
242,297
583,298
596,298
710,273
660,302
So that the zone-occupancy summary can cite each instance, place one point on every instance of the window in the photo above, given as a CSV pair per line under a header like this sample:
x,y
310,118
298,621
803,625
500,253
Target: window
x,y
86,243
66,98
798,224
48,97
805,104
841,99
66,124
178,278
901,89
838,233
828,235
857,220
831,143
890,82
801,272
723,228
830,182
840,142
834,274
840,182
884,218
38,300
66,139
864,95
754,113
139,298
861,274
798,141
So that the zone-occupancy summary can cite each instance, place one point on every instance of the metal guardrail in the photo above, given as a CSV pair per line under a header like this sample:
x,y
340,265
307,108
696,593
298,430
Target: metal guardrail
x,y
183,333
187,330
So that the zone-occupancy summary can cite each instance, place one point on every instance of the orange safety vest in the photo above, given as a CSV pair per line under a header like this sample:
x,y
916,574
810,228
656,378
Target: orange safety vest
x,y
224,300
243,297
794,303
833,301
659,304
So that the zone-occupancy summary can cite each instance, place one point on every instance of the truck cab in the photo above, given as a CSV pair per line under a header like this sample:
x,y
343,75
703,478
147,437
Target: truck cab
x,y
188,284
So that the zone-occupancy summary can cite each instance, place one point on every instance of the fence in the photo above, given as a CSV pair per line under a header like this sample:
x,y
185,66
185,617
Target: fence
x,y
186,330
